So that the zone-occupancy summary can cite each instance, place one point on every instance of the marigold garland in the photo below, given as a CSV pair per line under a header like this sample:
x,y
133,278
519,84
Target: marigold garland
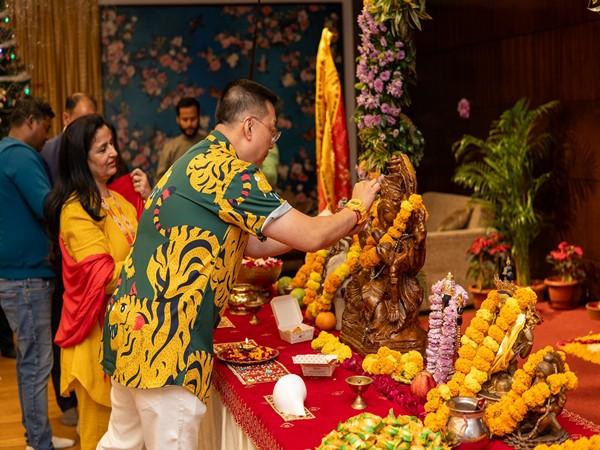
x,y
584,443
401,366
334,280
313,284
369,257
504,416
586,348
301,277
477,352
328,344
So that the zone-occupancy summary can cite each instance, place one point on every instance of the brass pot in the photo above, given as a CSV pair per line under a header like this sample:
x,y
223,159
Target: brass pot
x,y
240,295
465,425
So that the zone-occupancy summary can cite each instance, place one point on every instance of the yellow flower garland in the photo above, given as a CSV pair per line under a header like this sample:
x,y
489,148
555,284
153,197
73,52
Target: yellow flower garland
x,y
299,280
313,284
582,349
369,257
584,443
479,345
401,366
328,344
335,279
504,416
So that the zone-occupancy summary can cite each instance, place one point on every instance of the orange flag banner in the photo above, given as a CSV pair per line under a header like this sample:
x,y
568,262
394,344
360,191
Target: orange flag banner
x,y
331,134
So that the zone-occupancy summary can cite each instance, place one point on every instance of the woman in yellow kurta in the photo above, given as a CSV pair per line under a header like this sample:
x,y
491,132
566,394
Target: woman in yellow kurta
x,y
95,228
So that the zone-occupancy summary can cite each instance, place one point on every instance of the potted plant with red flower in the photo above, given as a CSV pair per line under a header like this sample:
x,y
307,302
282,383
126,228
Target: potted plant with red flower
x,y
564,288
485,257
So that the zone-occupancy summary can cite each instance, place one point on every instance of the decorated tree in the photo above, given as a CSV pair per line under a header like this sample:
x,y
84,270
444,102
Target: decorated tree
x,y
14,79
385,66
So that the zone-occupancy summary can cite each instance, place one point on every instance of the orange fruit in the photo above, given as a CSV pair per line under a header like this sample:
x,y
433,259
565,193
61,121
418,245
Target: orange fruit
x,y
325,320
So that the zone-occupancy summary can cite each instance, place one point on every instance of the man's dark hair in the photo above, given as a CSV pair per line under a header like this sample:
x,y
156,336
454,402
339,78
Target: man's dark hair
x,y
29,107
241,97
74,99
186,102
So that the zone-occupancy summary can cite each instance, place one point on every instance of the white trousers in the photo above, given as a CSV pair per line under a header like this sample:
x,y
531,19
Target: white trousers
x,y
154,419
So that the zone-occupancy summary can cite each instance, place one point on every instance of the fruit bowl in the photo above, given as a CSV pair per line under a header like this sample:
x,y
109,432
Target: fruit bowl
x,y
593,309
260,272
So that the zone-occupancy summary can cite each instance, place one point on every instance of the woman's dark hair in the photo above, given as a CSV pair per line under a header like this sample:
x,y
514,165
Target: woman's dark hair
x,y
74,176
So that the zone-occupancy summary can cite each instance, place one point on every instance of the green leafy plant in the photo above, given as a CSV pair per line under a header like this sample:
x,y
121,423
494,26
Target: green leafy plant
x,y
501,171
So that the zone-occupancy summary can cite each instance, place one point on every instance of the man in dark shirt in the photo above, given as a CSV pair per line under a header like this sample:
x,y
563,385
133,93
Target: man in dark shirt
x,y
26,278
76,106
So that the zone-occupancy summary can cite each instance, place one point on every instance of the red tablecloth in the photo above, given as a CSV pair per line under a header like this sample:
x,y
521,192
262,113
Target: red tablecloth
x,y
328,399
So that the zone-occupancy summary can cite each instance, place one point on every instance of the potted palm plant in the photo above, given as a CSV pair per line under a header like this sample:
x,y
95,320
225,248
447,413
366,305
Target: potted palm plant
x,y
501,171
564,289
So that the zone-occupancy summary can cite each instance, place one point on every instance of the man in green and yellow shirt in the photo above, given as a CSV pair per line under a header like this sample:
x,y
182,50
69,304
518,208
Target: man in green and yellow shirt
x,y
212,207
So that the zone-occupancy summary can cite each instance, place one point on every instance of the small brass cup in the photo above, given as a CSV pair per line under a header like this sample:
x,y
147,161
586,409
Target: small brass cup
x,y
253,307
359,384
241,294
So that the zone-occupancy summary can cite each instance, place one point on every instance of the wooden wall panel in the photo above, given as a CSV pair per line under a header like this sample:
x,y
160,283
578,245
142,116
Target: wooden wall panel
x,y
495,53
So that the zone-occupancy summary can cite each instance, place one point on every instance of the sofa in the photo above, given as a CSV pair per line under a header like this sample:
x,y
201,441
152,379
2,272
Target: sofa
x,y
446,251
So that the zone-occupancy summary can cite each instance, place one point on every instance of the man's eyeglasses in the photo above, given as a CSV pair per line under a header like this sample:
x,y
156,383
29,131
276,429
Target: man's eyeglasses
x,y
275,133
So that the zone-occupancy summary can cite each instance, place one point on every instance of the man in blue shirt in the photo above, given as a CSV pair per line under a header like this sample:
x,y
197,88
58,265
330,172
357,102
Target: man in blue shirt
x,y
26,278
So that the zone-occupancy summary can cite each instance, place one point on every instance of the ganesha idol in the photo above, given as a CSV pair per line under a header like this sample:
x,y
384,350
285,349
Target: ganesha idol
x,y
383,295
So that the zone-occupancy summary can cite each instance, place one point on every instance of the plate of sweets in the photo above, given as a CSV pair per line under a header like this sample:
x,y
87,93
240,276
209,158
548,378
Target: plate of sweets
x,y
247,353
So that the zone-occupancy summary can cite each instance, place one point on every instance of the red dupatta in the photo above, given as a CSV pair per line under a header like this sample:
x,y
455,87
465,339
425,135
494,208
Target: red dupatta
x,y
84,300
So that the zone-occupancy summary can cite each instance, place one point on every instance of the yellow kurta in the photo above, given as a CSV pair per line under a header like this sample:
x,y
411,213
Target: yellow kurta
x,y
83,237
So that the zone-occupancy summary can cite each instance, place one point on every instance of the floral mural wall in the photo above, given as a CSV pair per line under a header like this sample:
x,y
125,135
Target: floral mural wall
x,y
154,55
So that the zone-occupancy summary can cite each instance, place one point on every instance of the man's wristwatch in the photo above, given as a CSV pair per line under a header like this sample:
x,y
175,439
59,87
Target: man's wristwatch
x,y
357,205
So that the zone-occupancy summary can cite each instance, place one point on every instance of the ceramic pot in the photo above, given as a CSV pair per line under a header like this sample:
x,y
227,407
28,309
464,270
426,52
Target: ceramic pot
x,y
563,294
478,295
539,287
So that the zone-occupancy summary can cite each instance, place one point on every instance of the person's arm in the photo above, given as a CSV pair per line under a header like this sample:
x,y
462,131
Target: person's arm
x,y
29,175
270,247
310,234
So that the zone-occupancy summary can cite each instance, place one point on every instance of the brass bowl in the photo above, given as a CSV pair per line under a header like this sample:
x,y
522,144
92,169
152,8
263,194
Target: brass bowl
x,y
260,276
240,295
359,385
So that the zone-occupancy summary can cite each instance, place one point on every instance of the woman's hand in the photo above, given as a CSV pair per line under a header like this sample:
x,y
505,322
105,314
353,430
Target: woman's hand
x,y
140,182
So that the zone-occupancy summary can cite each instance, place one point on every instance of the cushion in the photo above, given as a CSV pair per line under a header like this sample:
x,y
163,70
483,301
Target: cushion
x,y
457,220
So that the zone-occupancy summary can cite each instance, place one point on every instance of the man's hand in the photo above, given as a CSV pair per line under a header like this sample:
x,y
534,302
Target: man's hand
x,y
367,190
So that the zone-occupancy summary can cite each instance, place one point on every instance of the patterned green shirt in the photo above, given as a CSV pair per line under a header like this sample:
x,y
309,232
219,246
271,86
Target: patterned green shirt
x,y
175,282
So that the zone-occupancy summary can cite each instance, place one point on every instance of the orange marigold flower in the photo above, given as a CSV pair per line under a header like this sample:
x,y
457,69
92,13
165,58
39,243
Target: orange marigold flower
x,y
486,354
502,324
496,333
479,324
474,334
462,365
467,352
481,364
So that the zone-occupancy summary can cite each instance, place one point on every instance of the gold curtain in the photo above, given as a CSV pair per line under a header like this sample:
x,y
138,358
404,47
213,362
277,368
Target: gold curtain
x,y
59,43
